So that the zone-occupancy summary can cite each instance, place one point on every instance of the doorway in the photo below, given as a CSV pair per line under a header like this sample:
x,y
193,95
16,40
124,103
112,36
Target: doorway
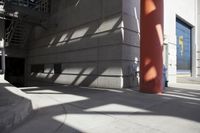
x,y
184,61
14,72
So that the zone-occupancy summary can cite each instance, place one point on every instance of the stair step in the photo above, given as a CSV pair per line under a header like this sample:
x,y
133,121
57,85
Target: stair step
x,y
18,39
14,43
19,27
18,34
15,40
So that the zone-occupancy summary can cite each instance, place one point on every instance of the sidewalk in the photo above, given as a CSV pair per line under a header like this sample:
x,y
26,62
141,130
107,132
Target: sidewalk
x,y
64,109
14,105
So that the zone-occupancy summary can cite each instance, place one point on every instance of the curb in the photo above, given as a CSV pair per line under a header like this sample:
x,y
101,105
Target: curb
x,y
15,106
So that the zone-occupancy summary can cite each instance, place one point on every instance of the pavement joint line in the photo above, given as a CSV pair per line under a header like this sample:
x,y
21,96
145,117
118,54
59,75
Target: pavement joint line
x,y
112,116
82,108
65,113
62,106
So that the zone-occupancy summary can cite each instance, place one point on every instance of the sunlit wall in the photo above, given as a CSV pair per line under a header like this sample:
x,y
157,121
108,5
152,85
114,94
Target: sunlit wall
x,y
83,39
186,11
96,43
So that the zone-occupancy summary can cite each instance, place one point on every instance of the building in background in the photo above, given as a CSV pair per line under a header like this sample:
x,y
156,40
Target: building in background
x,y
181,38
93,43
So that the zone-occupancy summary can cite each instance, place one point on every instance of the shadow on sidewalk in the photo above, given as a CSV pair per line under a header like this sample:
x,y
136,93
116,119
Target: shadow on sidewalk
x,y
176,102
14,106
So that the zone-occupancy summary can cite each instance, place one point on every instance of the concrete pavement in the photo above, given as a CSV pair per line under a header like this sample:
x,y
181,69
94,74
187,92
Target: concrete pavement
x,y
15,105
65,109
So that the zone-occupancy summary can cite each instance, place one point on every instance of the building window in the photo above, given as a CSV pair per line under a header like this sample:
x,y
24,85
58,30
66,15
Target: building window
x,y
37,68
57,68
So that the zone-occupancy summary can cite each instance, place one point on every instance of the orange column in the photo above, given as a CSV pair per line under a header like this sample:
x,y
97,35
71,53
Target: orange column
x,y
151,60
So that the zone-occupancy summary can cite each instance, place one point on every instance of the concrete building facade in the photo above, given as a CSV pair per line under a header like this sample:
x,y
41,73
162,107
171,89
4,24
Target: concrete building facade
x,y
186,11
198,40
96,43
84,39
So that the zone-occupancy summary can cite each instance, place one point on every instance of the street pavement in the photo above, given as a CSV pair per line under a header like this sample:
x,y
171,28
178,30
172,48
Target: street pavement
x,y
15,105
66,109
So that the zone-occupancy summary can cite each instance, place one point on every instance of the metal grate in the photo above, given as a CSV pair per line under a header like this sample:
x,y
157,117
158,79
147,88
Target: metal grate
x,y
38,5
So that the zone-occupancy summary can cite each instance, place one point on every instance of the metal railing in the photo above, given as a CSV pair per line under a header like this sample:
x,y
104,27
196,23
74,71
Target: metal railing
x,y
38,5
16,33
10,31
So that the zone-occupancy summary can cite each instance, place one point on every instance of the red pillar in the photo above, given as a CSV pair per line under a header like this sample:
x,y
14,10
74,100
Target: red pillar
x,y
151,60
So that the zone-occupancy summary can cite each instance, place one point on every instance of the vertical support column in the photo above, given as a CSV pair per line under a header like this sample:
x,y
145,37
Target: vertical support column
x,y
151,59
2,42
3,67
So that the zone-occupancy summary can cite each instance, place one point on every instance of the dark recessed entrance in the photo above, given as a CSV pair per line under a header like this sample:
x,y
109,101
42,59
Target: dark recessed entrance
x,y
14,72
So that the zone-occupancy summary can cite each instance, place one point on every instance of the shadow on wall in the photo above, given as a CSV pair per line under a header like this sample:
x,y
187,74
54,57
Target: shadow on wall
x,y
90,55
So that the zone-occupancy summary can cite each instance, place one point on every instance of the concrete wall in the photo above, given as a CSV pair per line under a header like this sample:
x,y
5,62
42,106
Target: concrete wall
x,y
185,10
131,41
86,38
97,42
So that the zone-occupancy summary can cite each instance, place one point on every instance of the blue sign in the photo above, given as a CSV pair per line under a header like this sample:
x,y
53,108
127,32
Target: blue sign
x,y
183,33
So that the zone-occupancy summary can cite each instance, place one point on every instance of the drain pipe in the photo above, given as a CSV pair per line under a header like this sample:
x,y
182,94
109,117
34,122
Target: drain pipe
x,y
3,66
2,44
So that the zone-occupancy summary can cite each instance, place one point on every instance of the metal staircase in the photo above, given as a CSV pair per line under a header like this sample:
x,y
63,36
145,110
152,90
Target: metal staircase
x,y
9,32
17,33
28,10
29,13
37,5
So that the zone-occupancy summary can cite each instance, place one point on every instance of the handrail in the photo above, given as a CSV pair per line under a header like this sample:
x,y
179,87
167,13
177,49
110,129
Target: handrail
x,y
10,30
16,33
